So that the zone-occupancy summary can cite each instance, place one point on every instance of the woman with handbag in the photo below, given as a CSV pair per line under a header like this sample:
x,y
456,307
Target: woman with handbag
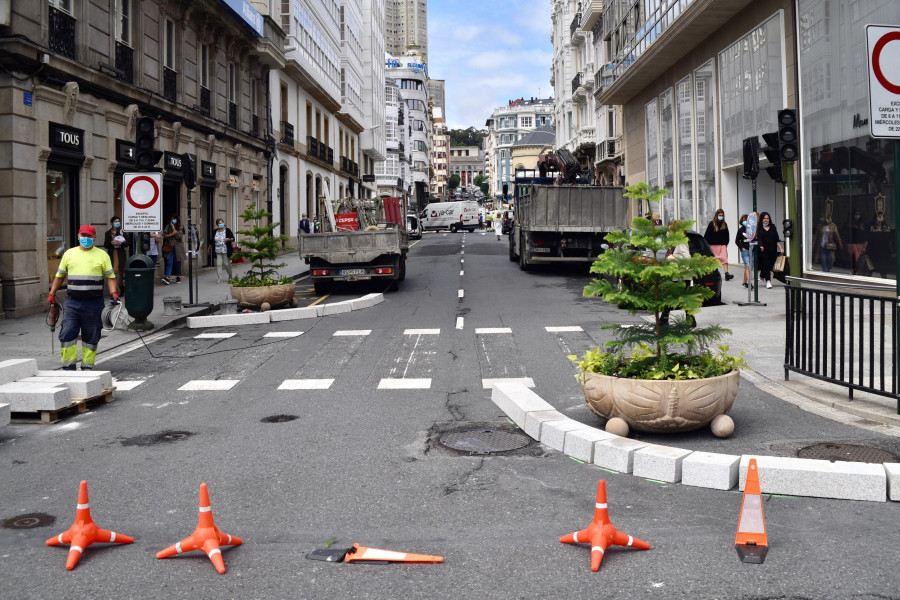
x,y
717,237
173,249
825,242
769,247
221,249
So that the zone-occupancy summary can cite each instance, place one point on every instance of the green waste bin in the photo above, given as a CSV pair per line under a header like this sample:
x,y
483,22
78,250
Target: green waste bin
x,y
139,274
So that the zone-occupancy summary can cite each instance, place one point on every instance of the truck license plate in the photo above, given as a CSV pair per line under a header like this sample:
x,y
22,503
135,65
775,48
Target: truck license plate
x,y
353,271
540,250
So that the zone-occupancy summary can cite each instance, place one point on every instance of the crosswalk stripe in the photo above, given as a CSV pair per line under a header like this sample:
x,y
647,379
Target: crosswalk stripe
x,y
306,384
563,329
212,385
459,322
404,384
126,385
353,332
483,330
214,336
422,332
283,334
489,383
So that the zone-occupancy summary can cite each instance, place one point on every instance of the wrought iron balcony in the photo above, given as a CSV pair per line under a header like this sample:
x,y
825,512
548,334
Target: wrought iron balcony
x,y
312,146
254,126
170,84
205,99
576,24
330,156
287,133
576,82
610,148
232,114
125,62
62,33
345,164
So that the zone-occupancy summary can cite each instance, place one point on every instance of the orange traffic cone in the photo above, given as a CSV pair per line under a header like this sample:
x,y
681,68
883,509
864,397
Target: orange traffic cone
x,y
206,536
601,533
84,532
358,552
751,542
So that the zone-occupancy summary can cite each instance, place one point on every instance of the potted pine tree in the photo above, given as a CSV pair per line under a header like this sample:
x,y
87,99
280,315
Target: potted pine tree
x,y
662,375
262,287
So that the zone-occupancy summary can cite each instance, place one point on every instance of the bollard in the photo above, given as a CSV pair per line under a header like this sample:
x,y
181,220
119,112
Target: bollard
x,y
228,307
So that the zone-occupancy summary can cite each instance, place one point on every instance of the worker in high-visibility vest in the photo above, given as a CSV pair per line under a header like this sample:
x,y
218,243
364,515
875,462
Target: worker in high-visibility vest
x,y
85,266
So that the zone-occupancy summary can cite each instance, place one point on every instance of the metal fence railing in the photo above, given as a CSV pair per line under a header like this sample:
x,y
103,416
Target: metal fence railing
x,y
843,337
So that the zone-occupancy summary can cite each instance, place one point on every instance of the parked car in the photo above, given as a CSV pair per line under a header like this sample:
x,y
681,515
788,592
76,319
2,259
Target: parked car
x,y
413,227
509,218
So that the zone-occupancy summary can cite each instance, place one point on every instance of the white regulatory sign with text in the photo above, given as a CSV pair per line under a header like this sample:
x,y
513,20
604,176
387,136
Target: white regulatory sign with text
x,y
141,202
883,43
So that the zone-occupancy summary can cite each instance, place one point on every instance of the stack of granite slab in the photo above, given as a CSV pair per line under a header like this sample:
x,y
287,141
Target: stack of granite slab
x,y
24,388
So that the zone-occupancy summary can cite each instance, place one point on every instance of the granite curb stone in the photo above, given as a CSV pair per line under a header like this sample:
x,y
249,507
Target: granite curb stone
x,y
5,414
105,377
662,463
32,397
17,368
554,433
818,478
893,480
293,314
579,443
535,419
256,318
710,470
336,308
80,387
516,400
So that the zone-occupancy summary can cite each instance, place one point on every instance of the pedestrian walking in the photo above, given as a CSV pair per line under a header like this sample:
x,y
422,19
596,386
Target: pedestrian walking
x,y
717,236
859,239
826,241
481,220
303,226
743,245
155,243
116,244
769,247
173,249
498,225
222,249
85,267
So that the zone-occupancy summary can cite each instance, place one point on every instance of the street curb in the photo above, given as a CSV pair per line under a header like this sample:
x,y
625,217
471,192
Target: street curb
x,y
783,475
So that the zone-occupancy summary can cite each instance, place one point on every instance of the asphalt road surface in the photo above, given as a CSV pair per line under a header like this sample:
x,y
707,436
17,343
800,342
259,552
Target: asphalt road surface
x,y
362,462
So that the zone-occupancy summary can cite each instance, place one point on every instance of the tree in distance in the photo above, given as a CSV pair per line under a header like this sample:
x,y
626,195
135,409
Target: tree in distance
x,y
453,182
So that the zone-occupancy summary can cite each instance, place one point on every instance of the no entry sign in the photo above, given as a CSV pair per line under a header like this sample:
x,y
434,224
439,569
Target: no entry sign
x,y
884,80
141,202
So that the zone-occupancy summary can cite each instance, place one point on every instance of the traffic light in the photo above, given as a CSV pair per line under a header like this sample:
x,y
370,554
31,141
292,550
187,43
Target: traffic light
x,y
788,225
751,157
145,157
505,190
145,242
771,152
189,170
788,135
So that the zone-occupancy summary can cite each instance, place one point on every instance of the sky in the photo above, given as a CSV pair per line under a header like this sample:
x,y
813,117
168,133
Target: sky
x,y
488,53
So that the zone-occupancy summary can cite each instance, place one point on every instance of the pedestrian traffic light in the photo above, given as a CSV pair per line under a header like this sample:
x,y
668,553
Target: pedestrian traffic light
x,y
788,135
751,157
771,152
145,242
144,141
189,170
788,225
505,190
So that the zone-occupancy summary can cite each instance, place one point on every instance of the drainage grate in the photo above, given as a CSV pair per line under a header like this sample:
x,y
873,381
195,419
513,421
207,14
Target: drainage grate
x,y
29,521
485,441
279,419
847,452
156,438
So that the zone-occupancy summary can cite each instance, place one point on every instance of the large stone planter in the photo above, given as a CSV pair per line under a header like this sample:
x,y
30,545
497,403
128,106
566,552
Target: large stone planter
x,y
663,406
265,297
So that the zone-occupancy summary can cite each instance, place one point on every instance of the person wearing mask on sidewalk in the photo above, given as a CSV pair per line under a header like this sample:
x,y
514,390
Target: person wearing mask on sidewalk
x,y
222,249
769,247
116,244
744,248
173,249
717,237
155,243
85,267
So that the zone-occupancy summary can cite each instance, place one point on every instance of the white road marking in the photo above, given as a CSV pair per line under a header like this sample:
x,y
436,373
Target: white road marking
x,y
461,293
459,322
283,334
213,385
404,384
489,383
306,384
482,330
562,329
462,260
124,386
461,273
214,336
352,332
422,332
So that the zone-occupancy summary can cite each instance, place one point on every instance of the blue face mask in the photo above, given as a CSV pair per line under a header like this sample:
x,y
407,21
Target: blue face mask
x,y
86,242
721,218
174,221
117,224
221,225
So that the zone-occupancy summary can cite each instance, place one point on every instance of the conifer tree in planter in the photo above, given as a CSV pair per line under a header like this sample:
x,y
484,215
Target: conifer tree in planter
x,y
261,287
662,375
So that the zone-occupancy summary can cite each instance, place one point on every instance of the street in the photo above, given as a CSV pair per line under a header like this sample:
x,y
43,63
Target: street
x,y
362,462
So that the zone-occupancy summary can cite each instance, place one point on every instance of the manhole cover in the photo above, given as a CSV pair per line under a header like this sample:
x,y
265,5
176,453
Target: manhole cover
x,y
279,419
485,441
847,452
29,521
156,438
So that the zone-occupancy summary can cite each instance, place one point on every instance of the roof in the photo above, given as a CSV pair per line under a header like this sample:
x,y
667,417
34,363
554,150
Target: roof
x,y
540,136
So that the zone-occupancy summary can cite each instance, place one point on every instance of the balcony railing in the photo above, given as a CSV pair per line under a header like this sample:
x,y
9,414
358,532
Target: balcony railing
x,y
62,33
576,82
125,62
170,84
576,24
287,133
312,146
205,99
330,156
254,126
232,114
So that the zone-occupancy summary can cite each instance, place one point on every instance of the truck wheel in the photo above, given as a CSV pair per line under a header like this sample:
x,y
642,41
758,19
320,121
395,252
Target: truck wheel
x,y
402,269
322,287
522,251
453,228
513,257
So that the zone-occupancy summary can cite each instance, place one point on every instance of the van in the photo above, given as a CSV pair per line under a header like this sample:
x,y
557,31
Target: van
x,y
450,215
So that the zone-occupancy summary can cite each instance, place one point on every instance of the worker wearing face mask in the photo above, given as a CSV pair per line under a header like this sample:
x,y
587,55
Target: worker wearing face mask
x,y
85,267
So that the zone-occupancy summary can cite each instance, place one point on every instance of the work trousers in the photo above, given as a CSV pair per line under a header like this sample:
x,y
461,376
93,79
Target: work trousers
x,y
84,317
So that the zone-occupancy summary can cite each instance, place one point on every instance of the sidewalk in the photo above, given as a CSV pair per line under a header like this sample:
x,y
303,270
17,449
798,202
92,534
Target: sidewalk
x,y
30,337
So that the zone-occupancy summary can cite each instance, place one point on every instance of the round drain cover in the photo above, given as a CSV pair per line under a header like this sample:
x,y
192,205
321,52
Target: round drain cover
x,y
485,441
29,521
848,453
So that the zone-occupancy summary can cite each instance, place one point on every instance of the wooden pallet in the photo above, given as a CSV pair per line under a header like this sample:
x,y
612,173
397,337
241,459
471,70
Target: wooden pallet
x,y
78,405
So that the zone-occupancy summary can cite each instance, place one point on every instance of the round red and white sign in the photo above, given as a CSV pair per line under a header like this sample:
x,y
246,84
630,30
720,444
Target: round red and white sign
x,y
142,192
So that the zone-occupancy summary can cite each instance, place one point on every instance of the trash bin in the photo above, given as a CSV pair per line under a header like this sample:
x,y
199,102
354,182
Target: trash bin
x,y
139,273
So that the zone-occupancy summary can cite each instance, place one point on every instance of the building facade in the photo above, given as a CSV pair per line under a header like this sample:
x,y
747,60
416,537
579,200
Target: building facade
x,y
440,156
506,126
406,27
393,176
466,162
411,74
372,140
76,87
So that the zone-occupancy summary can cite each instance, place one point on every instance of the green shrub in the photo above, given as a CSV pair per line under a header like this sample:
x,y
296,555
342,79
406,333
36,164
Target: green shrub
x,y
263,248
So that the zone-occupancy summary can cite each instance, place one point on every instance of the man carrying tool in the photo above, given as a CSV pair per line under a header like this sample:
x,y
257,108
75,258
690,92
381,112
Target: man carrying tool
x,y
85,266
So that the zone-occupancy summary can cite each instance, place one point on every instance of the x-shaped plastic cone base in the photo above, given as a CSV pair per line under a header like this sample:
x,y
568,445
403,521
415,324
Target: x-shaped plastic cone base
x,y
601,534
206,536
84,531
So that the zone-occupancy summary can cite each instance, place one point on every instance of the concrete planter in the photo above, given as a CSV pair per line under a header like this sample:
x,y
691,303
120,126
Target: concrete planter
x,y
264,297
664,406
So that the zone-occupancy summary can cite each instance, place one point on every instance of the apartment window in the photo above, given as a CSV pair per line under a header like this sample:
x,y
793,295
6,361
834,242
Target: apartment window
x,y
64,5
170,45
254,104
123,21
232,83
526,121
204,65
